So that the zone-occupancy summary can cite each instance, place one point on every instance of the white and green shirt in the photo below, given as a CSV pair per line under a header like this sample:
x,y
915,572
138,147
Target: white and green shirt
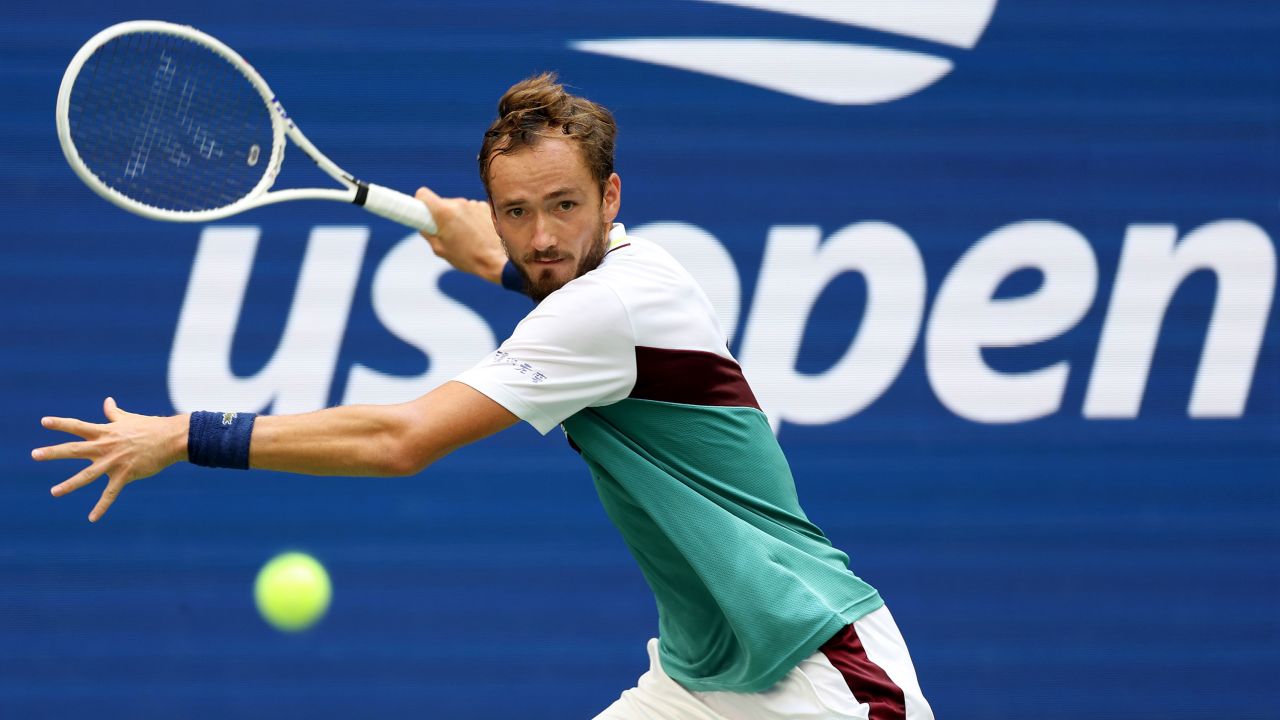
x,y
631,360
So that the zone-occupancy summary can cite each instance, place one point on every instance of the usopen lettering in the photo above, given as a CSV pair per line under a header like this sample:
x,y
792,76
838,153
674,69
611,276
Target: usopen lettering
x,y
966,317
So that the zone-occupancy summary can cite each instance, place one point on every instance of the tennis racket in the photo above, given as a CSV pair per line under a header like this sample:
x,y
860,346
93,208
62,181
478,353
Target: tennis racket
x,y
169,123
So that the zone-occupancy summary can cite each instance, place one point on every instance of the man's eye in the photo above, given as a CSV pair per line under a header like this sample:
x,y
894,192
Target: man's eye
x,y
567,205
516,212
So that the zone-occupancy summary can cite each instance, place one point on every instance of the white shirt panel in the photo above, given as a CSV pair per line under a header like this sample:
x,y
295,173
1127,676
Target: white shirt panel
x,y
575,350
668,307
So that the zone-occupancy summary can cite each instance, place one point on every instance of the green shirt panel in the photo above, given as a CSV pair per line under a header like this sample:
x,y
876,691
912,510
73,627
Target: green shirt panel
x,y
746,585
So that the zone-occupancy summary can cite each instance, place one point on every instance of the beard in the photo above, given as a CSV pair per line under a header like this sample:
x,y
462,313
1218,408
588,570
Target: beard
x,y
544,284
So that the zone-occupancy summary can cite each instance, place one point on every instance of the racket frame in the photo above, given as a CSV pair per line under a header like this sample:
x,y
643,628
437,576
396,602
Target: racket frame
x,y
380,200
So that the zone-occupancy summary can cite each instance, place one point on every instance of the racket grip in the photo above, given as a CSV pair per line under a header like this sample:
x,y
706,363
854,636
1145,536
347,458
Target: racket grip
x,y
397,207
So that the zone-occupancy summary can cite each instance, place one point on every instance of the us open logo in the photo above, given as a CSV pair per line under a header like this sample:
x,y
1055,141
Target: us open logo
x,y
837,73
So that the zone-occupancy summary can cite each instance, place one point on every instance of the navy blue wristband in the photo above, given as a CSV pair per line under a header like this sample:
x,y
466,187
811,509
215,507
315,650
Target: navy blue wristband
x,y
217,439
511,278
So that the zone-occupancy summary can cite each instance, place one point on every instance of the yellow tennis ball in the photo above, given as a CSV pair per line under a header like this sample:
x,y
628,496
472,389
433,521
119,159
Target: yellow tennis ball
x,y
292,591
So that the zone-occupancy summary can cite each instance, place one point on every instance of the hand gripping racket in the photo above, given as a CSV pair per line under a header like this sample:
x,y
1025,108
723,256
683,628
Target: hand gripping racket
x,y
169,123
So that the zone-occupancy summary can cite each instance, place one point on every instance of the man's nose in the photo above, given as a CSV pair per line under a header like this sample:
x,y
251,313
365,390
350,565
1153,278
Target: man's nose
x,y
543,239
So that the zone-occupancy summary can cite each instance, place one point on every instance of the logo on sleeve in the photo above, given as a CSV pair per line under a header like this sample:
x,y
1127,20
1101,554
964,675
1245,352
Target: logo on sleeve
x,y
535,375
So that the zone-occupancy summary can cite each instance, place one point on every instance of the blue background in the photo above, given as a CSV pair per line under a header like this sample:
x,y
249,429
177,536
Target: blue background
x,y
1058,568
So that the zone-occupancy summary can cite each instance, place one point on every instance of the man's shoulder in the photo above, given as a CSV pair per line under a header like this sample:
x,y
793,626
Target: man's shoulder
x,y
639,266
665,304
586,291
638,281
586,305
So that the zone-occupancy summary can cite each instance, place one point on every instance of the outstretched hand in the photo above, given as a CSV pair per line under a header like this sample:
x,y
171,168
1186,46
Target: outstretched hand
x,y
127,447
465,237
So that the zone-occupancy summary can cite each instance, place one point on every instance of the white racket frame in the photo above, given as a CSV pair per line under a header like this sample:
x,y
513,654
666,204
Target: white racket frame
x,y
383,201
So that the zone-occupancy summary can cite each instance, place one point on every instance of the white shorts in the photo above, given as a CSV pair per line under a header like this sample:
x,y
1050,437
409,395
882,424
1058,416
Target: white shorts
x,y
863,672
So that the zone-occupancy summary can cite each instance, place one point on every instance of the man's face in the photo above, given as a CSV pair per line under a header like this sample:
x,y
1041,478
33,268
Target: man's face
x,y
550,213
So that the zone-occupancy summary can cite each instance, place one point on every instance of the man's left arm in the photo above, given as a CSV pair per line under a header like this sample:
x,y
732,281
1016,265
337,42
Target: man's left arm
x,y
465,237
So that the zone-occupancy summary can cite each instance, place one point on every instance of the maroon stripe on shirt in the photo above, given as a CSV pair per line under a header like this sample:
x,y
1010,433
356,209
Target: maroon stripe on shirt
x,y
690,377
867,681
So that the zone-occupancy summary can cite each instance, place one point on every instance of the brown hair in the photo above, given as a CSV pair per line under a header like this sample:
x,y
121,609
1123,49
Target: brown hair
x,y
537,107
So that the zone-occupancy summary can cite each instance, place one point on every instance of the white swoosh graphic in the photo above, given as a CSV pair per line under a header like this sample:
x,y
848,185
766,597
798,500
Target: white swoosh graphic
x,y
835,73
953,22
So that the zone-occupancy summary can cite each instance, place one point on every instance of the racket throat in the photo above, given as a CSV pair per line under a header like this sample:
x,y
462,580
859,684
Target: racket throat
x,y
362,193
394,206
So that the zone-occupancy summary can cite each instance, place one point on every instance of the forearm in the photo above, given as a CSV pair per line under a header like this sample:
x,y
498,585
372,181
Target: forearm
x,y
356,440
364,440
376,440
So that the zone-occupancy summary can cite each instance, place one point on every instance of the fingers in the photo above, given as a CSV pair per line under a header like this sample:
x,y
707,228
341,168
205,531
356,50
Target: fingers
x,y
73,426
428,196
94,448
440,211
87,476
111,410
108,497
77,481
436,204
65,451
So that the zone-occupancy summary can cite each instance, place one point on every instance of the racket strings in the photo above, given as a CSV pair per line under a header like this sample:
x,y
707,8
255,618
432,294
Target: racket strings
x,y
169,123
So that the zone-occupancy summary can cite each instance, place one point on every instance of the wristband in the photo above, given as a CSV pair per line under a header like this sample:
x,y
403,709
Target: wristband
x,y
511,278
217,439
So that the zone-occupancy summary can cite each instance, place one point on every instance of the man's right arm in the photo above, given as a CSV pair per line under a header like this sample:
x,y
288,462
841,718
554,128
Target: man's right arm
x,y
377,440
370,440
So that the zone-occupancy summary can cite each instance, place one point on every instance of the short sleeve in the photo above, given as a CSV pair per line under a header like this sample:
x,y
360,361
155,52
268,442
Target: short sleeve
x,y
575,350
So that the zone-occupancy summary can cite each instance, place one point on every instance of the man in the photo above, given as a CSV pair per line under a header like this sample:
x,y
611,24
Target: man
x,y
759,615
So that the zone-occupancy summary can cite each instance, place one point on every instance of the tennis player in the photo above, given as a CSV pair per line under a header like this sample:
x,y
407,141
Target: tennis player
x,y
759,616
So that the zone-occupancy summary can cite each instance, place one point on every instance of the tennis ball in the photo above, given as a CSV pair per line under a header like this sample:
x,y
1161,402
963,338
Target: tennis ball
x,y
292,591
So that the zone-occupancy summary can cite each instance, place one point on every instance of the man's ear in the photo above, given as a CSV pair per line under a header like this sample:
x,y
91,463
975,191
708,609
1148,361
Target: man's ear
x,y
611,200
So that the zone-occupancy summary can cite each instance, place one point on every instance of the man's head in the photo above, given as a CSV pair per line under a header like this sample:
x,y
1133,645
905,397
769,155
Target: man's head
x,y
547,164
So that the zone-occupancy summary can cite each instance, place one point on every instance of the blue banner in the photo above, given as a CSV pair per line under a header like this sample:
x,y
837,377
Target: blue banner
x,y
1002,274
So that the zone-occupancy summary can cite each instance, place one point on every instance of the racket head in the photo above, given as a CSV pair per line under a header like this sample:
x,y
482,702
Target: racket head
x,y
169,123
